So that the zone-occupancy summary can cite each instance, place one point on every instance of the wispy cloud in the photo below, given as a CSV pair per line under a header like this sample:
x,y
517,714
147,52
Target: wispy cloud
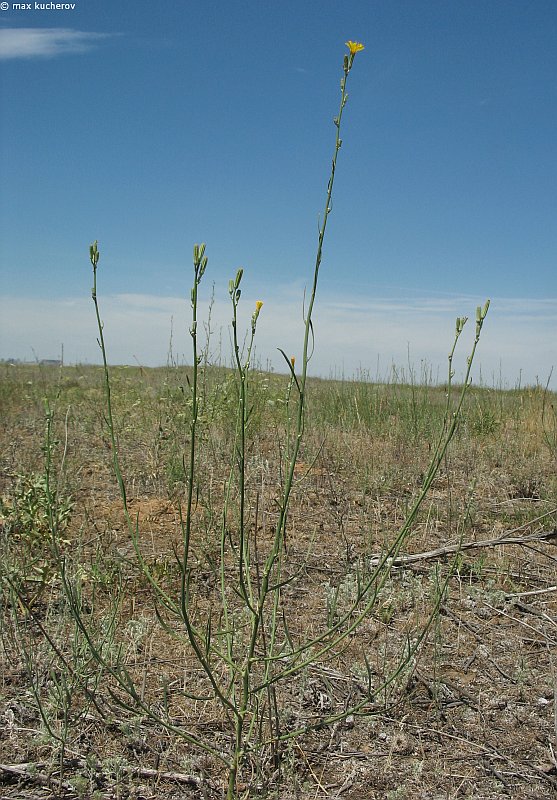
x,y
45,42
353,336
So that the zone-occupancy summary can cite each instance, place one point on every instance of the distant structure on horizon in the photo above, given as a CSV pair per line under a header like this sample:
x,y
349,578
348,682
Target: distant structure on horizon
x,y
44,362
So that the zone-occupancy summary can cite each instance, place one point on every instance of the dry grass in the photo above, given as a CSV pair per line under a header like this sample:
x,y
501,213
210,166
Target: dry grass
x,y
473,716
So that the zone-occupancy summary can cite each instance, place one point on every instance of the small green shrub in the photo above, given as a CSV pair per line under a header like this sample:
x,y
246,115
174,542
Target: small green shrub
x,y
29,516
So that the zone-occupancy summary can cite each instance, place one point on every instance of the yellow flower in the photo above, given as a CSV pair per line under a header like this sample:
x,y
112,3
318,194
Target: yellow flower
x,y
258,305
354,47
293,361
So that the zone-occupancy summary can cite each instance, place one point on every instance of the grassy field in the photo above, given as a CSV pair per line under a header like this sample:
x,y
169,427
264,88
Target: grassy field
x,y
452,672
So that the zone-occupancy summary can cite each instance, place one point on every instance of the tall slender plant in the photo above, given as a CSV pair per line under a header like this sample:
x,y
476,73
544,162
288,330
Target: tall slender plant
x,y
245,648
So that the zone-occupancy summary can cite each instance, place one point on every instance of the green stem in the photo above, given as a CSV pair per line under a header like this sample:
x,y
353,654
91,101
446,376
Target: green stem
x,y
280,530
378,577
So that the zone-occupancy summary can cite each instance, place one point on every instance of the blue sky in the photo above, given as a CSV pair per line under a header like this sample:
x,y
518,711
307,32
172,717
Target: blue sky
x,y
151,126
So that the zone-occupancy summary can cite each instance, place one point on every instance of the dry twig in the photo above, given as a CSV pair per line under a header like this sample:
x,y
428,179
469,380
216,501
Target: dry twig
x,y
439,552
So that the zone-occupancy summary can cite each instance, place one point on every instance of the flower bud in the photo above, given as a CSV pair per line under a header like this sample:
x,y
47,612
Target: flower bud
x,y
94,254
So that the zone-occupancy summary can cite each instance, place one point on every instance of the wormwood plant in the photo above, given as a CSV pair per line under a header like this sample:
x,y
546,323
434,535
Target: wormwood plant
x,y
62,673
27,517
243,640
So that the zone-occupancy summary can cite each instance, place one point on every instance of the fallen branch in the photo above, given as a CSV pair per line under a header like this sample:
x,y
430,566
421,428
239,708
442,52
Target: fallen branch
x,y
29,772
532,592
505,539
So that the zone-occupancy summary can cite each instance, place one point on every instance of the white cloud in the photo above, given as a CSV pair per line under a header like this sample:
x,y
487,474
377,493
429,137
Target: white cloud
x,y
352,334
45,42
